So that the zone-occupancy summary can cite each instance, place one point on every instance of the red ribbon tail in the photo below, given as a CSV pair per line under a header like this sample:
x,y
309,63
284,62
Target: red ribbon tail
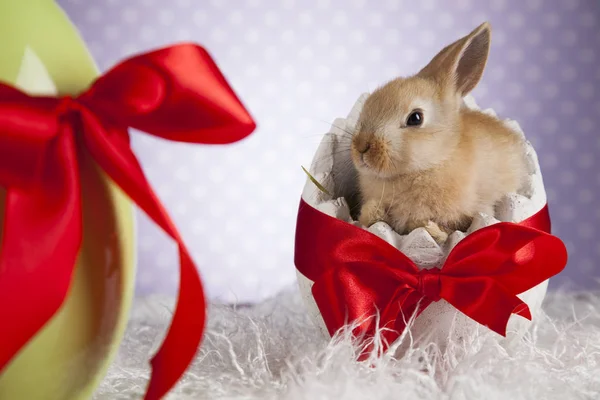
x,y
184,335
523,310
500,323
491,306
40,244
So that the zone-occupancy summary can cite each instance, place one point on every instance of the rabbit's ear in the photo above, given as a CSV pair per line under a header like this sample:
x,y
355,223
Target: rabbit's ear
x,y
461,63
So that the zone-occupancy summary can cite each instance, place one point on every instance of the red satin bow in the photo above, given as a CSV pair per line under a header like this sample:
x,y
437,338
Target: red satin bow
x,y
176,93
356,274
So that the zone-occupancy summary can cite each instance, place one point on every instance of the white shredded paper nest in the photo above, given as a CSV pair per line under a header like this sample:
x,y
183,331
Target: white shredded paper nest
x,y
273,351
332,167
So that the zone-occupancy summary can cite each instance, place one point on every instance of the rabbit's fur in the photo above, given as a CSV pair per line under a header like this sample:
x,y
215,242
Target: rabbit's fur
x,y
457,163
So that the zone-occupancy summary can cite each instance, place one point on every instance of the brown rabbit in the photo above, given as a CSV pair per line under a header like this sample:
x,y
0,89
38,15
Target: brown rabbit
x,y
426,160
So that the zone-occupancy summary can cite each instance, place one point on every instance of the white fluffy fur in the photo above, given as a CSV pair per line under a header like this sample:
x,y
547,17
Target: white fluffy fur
x,y
273,351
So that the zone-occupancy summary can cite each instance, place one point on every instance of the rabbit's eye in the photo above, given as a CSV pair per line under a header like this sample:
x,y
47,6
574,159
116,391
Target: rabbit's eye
x,y
415,119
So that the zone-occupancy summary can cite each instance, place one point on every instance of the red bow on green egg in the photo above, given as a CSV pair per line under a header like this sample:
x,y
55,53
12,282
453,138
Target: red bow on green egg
x,y
175,93
357,275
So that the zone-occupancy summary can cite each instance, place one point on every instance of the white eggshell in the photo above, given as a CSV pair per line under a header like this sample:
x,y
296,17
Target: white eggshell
x,y
332,167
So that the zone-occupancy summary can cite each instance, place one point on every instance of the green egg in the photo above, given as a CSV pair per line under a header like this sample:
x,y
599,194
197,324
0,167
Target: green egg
x,y
42,53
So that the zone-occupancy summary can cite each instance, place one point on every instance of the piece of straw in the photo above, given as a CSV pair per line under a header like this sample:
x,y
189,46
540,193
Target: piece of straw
x,y
317,184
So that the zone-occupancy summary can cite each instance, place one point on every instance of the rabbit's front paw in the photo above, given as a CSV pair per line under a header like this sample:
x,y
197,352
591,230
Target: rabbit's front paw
x,y
371,212
436,232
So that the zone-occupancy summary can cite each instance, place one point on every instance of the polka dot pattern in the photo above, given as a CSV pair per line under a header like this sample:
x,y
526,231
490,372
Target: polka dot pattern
x,y
299,64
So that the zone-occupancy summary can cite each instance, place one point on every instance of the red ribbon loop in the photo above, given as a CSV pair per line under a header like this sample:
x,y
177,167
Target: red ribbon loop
x,y
356,274
177,93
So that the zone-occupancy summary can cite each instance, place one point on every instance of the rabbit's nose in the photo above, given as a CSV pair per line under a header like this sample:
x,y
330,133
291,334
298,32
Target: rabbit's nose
x,y
363,147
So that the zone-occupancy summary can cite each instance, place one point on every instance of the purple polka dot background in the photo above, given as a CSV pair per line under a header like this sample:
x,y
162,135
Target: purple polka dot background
x,y
299,64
